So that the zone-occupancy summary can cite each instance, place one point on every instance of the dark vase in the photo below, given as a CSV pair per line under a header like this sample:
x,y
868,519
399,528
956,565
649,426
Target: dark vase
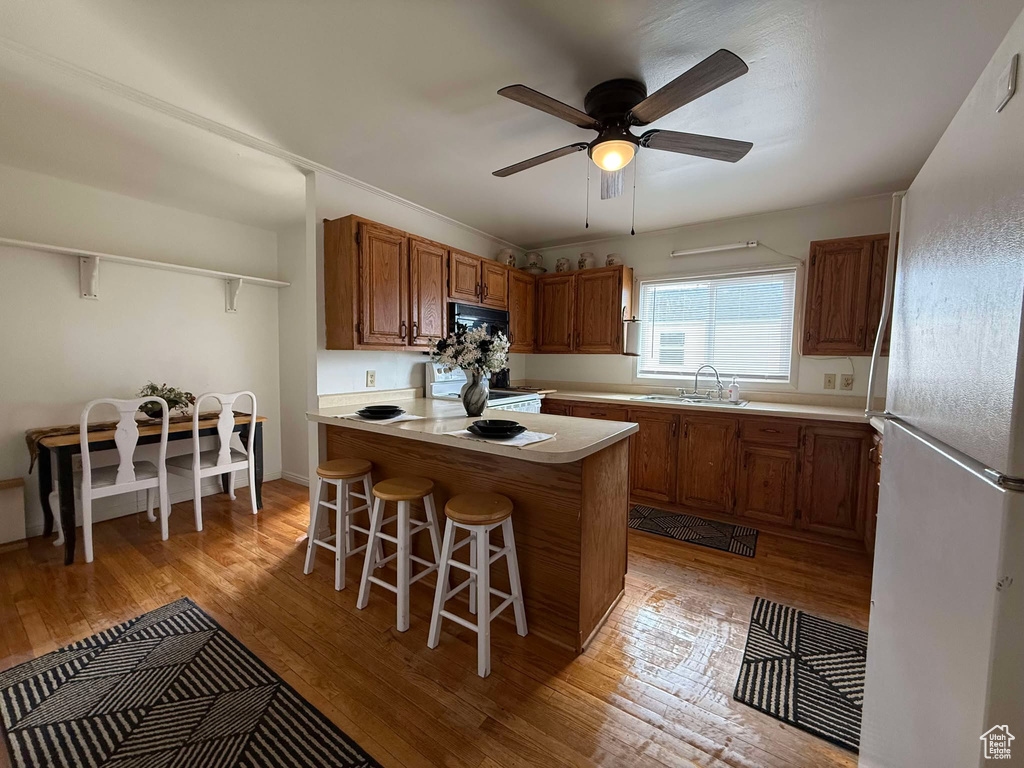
x,y
475,393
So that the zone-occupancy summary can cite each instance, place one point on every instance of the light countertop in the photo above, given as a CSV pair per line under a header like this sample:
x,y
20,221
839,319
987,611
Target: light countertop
x,y
575,439
752,408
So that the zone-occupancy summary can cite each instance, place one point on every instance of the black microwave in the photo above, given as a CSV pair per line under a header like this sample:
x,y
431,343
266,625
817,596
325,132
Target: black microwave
x,y
470,316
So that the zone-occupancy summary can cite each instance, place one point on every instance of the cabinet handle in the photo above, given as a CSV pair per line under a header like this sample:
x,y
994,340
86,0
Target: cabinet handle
x,y
485,290
402,329
673,430
686,429
415,329
772,431
860,335
476,289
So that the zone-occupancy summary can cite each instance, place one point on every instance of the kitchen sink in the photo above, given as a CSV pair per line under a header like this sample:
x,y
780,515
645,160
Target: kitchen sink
x,y
688,400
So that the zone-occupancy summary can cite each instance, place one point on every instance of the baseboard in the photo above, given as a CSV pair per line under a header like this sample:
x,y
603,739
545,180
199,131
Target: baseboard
x,y
125,506
295,478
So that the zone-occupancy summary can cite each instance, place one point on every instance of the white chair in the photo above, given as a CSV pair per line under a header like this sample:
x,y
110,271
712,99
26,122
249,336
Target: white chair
x,y
223,460
129,475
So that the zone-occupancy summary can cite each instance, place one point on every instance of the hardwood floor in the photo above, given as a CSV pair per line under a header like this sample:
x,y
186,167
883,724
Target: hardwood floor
x,y
654,688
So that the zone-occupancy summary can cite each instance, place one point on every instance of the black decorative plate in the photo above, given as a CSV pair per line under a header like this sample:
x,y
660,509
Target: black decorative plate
x,y
380,415
493,435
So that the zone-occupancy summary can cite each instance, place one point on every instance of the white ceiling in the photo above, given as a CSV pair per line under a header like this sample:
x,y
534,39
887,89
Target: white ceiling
x,y
843,99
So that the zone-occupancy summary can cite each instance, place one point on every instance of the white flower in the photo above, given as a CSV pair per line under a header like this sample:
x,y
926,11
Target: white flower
x,y
473,350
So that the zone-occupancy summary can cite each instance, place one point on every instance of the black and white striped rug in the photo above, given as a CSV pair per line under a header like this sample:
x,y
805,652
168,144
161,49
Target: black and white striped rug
x,y
692,529
168,689
805,671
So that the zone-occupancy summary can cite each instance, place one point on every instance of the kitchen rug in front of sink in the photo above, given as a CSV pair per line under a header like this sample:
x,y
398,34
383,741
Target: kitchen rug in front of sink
x,y
692,529
805,671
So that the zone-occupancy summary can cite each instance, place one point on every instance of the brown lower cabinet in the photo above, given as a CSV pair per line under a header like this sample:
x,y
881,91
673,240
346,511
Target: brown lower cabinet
x,y
810,478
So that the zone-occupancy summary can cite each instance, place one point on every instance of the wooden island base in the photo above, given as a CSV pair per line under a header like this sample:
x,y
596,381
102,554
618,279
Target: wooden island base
x,y
570,521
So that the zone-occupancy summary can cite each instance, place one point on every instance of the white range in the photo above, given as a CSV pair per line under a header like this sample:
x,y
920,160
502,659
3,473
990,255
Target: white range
x,y
447,385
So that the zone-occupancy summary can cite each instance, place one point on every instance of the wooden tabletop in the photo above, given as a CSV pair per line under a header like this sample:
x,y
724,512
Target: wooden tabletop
x,y
58,441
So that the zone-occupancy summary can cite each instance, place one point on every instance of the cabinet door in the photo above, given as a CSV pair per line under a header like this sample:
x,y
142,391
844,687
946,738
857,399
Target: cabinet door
x,y
832,480
555,407
599,311
383,285
707,471
522,292
766,483
494,284
838,284
556,297
879,257
654,455
464,277
427,301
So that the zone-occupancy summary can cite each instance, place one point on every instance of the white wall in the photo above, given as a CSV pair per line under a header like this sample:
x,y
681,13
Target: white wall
x,y
789,231
345,371
59,350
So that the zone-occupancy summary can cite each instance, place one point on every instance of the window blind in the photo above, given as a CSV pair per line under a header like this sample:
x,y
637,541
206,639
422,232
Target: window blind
x,y
740,323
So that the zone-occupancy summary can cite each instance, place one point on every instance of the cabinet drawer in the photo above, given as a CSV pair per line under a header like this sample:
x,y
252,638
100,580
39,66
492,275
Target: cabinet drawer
x,y
774,431
600,412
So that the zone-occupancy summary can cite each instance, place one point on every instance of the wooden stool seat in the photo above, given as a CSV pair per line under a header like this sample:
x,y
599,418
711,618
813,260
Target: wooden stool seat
x,y
478,508
403,488
343,469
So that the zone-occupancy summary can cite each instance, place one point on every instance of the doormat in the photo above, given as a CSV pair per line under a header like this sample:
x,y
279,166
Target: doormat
x,y
725,537
805,671
168,688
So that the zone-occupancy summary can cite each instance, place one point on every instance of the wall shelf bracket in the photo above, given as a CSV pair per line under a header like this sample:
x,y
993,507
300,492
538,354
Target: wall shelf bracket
x,y
89,277
231,289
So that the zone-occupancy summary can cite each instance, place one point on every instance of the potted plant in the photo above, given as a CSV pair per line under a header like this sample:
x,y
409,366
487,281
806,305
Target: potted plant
x,y
177,400
477,353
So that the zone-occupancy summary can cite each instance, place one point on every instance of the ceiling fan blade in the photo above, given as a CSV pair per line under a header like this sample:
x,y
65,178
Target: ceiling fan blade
x,y
712,147
552,155
716,70
538,100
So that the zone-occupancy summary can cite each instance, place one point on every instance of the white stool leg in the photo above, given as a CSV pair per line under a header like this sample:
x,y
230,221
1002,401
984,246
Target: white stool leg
x,y
341,533
472,573
368,493
442,586
483,602
165,507
512,560
370,561
314,524
403,564
350,538
197,499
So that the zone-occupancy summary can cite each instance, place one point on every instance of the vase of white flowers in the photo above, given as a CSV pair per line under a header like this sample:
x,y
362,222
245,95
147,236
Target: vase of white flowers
x,y
477,353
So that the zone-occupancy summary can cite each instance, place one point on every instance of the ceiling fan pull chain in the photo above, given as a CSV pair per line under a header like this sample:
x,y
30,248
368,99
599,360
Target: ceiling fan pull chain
x,y
632,222
587,224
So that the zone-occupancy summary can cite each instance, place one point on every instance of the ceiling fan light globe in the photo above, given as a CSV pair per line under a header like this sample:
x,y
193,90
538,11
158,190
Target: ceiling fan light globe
x,y
613,155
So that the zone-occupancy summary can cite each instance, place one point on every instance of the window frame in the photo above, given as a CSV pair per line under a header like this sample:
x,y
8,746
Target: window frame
x,y
792,384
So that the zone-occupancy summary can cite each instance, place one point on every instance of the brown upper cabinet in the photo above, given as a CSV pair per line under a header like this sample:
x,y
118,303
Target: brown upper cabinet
x,y
475,280
845,285
556,304
493,284
583,311
522,311
464,277
427,301
383,288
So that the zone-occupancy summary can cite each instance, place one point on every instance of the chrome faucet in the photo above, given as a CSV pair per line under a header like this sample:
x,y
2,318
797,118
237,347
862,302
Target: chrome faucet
x,y
696,378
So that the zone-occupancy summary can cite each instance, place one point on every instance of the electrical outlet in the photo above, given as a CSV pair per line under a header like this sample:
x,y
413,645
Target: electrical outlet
x,y
846,381
830,381
371,378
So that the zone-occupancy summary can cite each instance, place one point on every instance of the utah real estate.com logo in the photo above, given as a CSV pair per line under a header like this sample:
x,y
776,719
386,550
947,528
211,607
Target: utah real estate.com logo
x,y
997,742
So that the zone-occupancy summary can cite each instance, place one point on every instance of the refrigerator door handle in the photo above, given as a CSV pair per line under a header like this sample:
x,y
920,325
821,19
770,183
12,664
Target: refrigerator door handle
x,y
895,226
1005,481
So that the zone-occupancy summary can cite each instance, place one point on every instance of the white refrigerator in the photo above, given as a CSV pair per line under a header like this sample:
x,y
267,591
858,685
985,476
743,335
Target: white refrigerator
x,y
945,662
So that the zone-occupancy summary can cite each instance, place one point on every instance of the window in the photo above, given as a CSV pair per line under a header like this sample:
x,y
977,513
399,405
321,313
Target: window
x,y
740,323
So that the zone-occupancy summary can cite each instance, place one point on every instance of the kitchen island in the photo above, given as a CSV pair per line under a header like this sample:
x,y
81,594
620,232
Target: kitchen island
x,y
571,496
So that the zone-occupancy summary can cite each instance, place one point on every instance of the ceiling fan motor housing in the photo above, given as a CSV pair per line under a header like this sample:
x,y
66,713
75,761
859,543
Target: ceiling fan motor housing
x,y
610,101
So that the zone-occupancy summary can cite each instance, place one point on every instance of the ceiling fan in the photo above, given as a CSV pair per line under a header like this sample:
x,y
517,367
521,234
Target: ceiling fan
x,y
614,106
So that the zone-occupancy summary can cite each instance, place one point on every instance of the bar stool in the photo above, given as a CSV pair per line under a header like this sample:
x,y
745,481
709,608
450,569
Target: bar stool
x,y
479,514
403,490
343,474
